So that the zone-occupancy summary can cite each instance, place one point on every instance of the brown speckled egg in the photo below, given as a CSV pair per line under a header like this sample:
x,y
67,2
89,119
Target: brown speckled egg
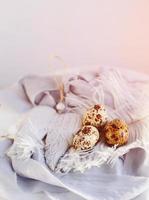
x,y
95,116
116,132
86,138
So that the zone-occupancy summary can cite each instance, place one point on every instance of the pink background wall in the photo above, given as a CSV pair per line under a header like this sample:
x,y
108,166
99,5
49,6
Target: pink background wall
x,y
82,32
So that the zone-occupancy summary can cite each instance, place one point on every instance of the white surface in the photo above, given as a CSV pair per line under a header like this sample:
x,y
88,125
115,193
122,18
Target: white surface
x,y
81,32
124,181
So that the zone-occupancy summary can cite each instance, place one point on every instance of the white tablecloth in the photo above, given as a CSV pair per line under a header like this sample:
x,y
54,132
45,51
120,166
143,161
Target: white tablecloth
x,y
127,179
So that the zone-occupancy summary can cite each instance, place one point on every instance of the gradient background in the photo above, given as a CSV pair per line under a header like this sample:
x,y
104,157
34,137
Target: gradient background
x,y
82,32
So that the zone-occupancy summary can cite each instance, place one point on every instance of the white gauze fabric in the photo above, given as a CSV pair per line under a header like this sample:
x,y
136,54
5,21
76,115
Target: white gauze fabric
x,y
122,100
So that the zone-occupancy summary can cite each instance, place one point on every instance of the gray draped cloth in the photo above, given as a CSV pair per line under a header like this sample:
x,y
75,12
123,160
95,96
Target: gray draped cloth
x,y
36,129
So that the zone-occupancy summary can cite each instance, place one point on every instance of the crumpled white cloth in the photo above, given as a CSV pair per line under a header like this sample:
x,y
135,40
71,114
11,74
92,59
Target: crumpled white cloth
x,y
27,109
